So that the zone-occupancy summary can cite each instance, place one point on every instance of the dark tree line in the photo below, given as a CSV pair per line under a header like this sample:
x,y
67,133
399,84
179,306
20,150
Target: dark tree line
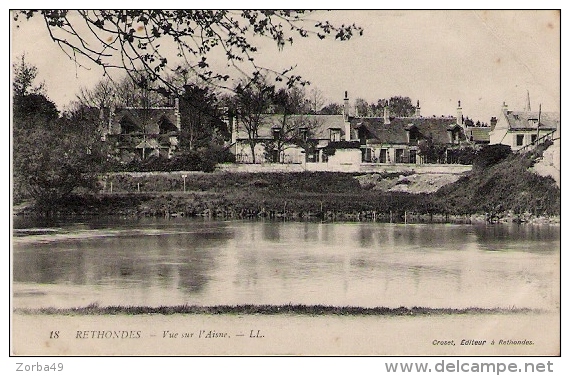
x,y
52,154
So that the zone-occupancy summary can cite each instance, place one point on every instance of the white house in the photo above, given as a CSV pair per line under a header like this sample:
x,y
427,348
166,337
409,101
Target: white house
x,y
291,138
519,129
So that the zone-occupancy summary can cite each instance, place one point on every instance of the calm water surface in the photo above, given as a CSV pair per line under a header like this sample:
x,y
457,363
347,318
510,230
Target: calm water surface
x,y
157,262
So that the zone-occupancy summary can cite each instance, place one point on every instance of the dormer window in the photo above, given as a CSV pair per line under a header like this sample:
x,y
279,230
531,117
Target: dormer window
x,y
335,135
533,123
454,136
413,134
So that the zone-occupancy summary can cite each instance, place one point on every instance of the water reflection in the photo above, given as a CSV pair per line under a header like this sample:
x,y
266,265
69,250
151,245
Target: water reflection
x,y
158,262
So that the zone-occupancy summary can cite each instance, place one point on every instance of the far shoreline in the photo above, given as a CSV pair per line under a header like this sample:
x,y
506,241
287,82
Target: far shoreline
x,y
255,309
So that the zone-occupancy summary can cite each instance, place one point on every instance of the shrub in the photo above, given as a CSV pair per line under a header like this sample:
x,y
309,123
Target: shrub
x,y
490,155
194,160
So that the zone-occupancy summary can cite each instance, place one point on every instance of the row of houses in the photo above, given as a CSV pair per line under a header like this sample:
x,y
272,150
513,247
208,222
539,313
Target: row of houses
x,y
386,139
145,132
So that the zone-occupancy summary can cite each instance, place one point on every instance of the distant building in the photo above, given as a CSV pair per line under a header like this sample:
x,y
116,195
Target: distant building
x,y
519,129
390,139
386,139
303,138
478,135
313,133
138,133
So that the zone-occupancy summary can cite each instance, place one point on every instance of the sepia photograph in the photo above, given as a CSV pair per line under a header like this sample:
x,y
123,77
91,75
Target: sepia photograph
x,y
285,182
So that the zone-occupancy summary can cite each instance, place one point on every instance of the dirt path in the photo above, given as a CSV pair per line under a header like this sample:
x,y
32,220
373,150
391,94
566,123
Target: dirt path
x,y
415,183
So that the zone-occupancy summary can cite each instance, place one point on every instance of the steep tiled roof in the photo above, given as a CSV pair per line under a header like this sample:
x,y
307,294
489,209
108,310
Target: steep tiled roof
x,y
146,119
478,134
520,120
396,131
319,125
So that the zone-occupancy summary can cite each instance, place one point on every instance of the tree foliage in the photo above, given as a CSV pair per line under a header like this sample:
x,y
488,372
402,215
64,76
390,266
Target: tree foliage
x,y
251,104
398,106
122,93
24,77
52,155
135,40
401,106
33,110
490,155
201,118
331,109
431,151
50,163
316,100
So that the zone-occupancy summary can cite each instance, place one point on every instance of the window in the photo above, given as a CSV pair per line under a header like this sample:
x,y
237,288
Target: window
x,y
367,155
303,134
400,156
533,139
520,139
533,123
455,136
383,155
335,135
414,135
412,156
275,156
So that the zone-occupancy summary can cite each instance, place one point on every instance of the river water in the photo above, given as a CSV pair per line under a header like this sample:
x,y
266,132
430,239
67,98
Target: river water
x,y
156,262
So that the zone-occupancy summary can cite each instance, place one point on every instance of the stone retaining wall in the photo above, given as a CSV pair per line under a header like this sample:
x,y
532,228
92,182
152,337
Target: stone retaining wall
x,y
346,167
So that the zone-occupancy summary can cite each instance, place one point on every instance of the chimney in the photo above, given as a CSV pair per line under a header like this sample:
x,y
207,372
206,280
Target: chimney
x,y
111,113
527,108
418,108
346,108
102,129
231,123
459,113
387,112
177,112
505,107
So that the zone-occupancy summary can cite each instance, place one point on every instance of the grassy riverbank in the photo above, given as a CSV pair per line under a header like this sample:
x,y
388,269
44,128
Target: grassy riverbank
x,y
505,190
249,309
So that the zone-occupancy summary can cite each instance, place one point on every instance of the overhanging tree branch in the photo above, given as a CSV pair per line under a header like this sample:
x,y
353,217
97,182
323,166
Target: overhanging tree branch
x,y
132,37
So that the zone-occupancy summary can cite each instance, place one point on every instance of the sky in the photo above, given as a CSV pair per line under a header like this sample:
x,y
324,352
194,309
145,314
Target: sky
x,y
481,58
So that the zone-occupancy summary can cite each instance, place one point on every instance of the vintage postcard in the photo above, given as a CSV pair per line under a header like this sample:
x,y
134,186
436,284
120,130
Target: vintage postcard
x,y
191,182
